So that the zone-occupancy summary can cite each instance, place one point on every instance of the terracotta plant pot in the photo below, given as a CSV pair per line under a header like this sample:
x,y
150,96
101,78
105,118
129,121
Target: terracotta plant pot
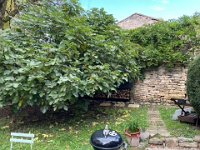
x,y
133,138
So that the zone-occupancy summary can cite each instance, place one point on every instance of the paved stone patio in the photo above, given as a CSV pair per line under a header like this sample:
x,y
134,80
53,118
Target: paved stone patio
x,y
160,138
156,124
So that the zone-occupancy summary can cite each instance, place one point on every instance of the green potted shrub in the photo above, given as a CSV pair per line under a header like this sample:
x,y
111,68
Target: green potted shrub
x,y
132,133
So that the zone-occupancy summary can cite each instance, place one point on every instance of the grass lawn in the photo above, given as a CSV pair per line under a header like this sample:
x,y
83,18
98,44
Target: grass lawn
x,y
72,133
175,127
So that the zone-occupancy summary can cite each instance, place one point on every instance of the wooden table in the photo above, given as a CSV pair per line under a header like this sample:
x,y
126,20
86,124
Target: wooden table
x,y
185,115
181,103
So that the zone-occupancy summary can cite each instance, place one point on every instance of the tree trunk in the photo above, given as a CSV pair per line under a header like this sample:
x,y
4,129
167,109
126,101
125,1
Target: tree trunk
x,y
11,13
2,11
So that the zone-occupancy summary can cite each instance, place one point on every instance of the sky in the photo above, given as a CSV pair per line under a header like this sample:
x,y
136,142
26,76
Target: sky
x,y
165,9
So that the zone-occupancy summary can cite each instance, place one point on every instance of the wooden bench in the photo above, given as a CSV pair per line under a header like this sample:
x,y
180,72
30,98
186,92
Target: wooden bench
x,y
25,138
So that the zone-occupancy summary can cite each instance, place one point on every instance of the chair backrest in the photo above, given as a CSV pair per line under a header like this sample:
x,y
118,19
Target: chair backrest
x,y
25,138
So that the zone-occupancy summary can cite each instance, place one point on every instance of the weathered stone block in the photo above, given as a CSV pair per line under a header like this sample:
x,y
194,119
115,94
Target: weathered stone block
x,y
171,142
105,104
164,133
156,141
188,144
183,139
133,105
197,138
119,104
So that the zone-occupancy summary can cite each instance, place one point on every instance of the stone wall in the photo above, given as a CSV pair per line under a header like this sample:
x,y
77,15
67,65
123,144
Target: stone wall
x,y
160,85
176,143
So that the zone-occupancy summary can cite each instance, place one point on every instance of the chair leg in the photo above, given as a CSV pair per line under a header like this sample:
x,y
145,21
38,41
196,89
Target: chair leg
x,y
31,146
11,146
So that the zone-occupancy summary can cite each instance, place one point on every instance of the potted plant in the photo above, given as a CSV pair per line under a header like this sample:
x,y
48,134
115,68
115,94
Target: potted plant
x,y
132,133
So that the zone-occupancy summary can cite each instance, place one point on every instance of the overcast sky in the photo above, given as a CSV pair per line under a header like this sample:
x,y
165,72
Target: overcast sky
x,y
165,9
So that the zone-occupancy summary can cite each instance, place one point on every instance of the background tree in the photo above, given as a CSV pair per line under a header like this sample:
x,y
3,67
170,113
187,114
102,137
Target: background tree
x,y
56,53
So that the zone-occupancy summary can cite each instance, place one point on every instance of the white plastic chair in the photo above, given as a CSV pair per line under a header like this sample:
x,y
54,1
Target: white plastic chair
x,y
25,138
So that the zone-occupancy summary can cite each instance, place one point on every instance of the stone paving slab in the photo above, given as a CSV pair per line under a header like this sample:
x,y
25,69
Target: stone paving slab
x,y
133,105
156,128
160,138
157,125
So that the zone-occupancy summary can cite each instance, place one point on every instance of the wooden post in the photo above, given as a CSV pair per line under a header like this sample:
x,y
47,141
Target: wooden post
x,y
197,123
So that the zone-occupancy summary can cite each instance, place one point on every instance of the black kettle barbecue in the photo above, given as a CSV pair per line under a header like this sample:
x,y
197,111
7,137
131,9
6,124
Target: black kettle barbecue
x,y
107,139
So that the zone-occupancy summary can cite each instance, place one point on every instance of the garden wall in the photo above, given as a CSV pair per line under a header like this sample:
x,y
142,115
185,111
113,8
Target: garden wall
x,y
160,85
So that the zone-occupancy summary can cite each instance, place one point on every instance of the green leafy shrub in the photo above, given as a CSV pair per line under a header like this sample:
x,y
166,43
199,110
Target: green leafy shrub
x,y
56,53
167,42
193,84
133,126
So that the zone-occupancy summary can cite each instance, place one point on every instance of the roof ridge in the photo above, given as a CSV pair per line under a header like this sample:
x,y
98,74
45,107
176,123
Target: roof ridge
x,y
140,15
147,16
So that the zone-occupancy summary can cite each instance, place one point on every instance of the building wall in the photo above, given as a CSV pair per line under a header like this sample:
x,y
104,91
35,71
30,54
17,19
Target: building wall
x,y
160,85
136,21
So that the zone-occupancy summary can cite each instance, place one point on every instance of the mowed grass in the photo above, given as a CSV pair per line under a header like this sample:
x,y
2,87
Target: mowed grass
x,y
177,128
73,133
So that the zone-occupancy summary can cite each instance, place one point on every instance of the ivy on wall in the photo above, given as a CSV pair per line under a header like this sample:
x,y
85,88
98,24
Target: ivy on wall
x,y
167,42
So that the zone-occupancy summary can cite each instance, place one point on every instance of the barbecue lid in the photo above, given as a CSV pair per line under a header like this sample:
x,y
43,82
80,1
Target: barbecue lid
x,y
106,139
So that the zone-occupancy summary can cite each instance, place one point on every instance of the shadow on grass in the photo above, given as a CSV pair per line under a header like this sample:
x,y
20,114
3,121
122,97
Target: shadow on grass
x,y
62,130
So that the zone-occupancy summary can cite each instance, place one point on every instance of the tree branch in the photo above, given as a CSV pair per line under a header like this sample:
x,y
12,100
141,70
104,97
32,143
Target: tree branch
x,y
10,15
